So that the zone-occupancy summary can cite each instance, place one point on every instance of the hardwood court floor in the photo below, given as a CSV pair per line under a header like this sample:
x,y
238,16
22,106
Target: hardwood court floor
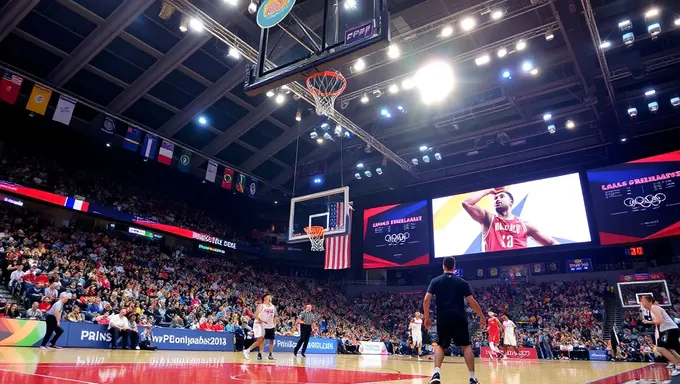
x,y
87,366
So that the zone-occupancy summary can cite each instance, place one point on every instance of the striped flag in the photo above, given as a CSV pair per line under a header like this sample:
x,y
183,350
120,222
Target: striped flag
x,y
338,247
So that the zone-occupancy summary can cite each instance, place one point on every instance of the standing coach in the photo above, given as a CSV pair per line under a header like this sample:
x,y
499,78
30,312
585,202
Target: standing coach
x,y
305,319
52,320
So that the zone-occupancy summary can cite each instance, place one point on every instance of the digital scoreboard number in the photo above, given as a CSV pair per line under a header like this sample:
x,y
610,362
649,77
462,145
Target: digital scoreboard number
x,y
634,251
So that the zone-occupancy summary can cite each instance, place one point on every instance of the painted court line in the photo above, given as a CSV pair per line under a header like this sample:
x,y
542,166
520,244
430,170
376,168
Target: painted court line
x,y
48,376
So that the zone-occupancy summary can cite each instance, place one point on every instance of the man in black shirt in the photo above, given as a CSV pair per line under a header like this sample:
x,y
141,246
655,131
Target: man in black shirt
x,y
450,292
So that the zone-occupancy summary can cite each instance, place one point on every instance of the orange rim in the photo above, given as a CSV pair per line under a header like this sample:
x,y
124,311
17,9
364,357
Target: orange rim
x,y
314,230
330,74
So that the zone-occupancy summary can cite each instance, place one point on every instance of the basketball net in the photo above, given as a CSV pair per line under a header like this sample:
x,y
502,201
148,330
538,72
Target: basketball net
x,y
316,236
326,86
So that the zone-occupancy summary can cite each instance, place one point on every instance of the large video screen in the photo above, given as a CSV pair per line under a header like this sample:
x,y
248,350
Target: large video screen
x,y
532,214
396,235
638,200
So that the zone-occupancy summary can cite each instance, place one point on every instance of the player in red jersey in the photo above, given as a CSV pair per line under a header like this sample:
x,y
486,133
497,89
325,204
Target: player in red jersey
x,y
502,230
494,330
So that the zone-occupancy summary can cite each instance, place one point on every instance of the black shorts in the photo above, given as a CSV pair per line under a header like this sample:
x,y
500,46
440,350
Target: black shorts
x,y
453,328
669,339
269,334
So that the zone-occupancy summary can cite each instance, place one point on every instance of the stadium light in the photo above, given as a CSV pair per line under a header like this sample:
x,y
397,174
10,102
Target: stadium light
x,y
628,38
497,14
338,130
234,53
313,135
438,156
605,44
414,161
653,107
298,115
447,31
632,112
527,66
379,171
534,71
280,98
547,117
319,140
350,5
357,176
359,65
502,52
435,81
324,125
650,92
196,25
675,102
623,139
108,145
393,89
231,2
482,60
677,22
384,112
549,36
654,12
202,120
468,24
426,159
654,29
368,173
270,93
625,25
360,165
423,148
570,124
552,128
393,52
521,45
507,75
184,23
317,180
252,7
408,83
364,99
400,108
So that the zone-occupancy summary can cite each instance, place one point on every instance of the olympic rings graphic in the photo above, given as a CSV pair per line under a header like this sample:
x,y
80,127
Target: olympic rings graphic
x,y
397,237
645,201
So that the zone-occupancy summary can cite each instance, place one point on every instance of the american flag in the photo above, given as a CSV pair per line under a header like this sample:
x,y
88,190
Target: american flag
x,y
337,248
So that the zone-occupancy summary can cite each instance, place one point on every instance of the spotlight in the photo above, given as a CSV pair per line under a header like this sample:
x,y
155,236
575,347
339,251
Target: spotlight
x,y
393,52
196,25
108,145
298,115
313,135
650,92
549,36
327,136
435,81
628,38
437,156
677,22
534,71
654,30
521,45
482,60
280,98
414,161
377,93
275,202
654,12
184,23
364,99
350,4
408,83
625,25
231,2
388,115
423,148
317,180
426,159
324,125
202,120
447,31
653,107
605,44
166,11
252,7
502,52
393,89
623,139
319,140
347,134
384,112
552,128
359,65
357,176
400,108
507,75
547,117
570,124
270,93
368,173
379,171
527,66
632,112
360,165
233,52
338,130
497,14
675,102
468,24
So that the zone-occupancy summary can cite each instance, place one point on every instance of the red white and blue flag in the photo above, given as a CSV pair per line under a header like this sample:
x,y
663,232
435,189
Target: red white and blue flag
x,y
165,154
338,247
78,205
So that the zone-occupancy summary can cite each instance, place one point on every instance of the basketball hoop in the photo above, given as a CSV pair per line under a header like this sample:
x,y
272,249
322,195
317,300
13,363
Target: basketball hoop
x,y
326,86
315,233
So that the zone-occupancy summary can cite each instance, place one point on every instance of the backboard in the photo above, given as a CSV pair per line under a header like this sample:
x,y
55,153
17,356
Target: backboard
x,y
307,36
329,209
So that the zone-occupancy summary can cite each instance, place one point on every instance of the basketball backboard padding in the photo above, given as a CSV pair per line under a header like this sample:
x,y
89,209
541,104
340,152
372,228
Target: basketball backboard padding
x,y
326,208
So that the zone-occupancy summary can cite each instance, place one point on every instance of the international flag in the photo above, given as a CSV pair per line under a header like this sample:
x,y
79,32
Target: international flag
x,y
78,205
64,110
211,171
39,98
228,178
149,146
184,164
10,87
338,247
241,183
165,154
132,137
108,125
252,187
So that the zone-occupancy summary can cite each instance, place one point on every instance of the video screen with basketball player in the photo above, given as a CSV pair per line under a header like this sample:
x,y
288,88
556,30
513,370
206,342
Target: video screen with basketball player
x,y
637,200
396,235
531,214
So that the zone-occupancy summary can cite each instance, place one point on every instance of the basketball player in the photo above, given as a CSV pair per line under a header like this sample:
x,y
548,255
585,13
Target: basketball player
x,y
509,338
416,330
667,342
502,230
494,336
450,292
263,328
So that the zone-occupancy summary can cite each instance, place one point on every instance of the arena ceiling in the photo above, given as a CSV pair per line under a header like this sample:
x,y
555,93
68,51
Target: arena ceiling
x,y
120,55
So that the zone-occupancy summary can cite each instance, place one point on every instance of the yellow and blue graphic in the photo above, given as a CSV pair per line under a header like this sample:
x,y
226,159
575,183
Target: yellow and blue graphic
x,y
272,12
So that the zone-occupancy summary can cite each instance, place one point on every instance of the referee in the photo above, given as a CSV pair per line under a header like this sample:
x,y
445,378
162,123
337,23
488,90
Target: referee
x,y
305,319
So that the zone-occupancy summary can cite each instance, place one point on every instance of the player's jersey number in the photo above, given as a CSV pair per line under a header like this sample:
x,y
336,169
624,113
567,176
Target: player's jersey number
x,y
506,241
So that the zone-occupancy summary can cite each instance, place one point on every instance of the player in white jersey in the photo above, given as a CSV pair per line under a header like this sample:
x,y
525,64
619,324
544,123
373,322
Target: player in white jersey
x,y
509,338
669,333
416,330
263,327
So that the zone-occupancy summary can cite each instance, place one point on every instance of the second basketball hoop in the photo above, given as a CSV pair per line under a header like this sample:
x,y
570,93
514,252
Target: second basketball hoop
x,y
326,86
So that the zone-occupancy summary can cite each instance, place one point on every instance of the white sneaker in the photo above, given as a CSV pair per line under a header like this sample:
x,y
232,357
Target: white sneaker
x,y
42,348
246,354
137,348
420,358
670,366
675,372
